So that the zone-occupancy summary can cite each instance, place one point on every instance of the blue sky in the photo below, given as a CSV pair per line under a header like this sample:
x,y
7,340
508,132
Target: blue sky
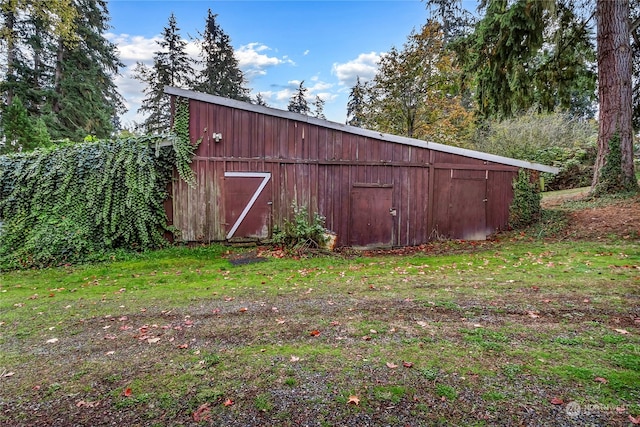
x,y
278,43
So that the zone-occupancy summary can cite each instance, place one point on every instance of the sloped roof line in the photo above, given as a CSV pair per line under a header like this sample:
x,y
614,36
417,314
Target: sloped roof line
x,y
232,103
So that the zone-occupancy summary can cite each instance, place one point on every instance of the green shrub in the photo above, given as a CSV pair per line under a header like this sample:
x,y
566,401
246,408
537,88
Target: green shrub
x,y
525,208
304,232
554,139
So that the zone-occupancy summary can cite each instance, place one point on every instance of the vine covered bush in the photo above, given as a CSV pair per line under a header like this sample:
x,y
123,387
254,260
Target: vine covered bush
x,y
79,202
525,208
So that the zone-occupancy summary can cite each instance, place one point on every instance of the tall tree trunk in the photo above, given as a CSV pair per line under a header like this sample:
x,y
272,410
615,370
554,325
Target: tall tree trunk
x,y
614,174
57,82
10,22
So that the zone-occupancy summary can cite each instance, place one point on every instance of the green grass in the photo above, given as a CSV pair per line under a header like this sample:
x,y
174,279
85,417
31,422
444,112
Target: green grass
x,y
518,319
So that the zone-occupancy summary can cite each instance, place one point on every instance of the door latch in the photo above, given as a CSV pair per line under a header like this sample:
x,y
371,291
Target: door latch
x,y
393,211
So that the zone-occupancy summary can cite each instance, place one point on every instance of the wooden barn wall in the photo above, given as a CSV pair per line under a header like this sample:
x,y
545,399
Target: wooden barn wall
x,y
318,167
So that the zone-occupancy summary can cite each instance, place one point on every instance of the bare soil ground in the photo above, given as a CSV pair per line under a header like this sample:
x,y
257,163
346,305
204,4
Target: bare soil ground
x,y
620,219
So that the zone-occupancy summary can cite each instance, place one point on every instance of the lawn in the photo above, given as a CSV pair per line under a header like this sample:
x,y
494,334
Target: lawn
x,y
510,331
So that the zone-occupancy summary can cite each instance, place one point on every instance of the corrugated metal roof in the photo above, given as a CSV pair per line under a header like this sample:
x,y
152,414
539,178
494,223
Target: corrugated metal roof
x,y
218,100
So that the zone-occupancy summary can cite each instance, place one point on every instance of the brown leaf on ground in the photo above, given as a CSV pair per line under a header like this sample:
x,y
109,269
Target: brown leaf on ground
x,y
203,413
353,400
557,401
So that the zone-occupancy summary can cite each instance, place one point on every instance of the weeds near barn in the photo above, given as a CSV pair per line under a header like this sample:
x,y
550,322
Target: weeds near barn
x,y
514,330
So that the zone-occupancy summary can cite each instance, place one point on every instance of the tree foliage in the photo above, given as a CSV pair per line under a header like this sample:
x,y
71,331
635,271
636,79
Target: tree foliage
x,y
356,105
416,92
60,65
220,74
298,102
171,67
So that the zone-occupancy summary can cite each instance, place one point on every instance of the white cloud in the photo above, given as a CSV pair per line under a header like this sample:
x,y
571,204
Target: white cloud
x,y
364,66
253,59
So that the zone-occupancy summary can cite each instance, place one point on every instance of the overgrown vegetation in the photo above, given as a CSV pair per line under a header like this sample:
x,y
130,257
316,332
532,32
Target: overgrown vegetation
x,y
525,208
305,231
555,139
80,202
612,179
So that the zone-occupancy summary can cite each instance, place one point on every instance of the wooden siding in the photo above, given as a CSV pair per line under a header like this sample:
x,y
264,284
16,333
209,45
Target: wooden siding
x,y
319,167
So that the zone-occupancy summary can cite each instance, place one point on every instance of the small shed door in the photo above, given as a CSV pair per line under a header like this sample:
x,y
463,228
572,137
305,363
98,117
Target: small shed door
x,y
372,214
467,204
247,204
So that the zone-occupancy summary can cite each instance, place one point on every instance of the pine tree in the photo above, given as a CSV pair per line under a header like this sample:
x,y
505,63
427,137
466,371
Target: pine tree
x,y
318,106
356,104
19,131
171,67
298,102
221,75
85,100
260,100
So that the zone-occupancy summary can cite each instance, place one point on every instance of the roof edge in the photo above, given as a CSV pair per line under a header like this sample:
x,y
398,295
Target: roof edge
x,y
241,105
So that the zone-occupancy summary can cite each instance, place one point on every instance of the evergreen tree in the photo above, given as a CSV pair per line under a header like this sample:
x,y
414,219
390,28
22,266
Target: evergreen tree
x,y
85,100
318,106
19,131
260,100
356,104
298,102
527,53
221,74
54,17
171,67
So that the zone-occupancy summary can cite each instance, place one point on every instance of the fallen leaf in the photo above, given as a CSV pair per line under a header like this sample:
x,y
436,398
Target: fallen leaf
x,y
52,341
153,340
353,400
601,380
621,331
533,314
280,321
557,401
407,364
294,358
391,365
203,413
635,420
228,402
314,333
243,309
127,392
109,353
183,346
7,374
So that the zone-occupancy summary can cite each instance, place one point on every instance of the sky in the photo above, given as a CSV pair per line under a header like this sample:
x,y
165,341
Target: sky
x,y
278,44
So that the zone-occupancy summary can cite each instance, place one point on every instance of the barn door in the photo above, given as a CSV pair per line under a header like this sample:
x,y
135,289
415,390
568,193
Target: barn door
x,y
372,214
247,204
467,204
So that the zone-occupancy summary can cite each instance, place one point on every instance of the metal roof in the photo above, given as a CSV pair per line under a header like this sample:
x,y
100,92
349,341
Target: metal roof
x,y
227,102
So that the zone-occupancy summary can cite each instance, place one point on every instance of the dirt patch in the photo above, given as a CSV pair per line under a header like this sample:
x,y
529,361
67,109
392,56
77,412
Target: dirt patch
x,y
619,220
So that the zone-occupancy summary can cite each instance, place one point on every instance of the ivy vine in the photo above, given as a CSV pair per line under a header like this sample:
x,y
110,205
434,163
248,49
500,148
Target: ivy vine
x,y
79,202
525,207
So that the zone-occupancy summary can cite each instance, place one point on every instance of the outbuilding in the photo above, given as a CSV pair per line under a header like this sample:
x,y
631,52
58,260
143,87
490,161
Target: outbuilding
x,y
373,189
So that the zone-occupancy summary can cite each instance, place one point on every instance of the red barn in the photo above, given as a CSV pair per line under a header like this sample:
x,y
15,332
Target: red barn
x,y
374,189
